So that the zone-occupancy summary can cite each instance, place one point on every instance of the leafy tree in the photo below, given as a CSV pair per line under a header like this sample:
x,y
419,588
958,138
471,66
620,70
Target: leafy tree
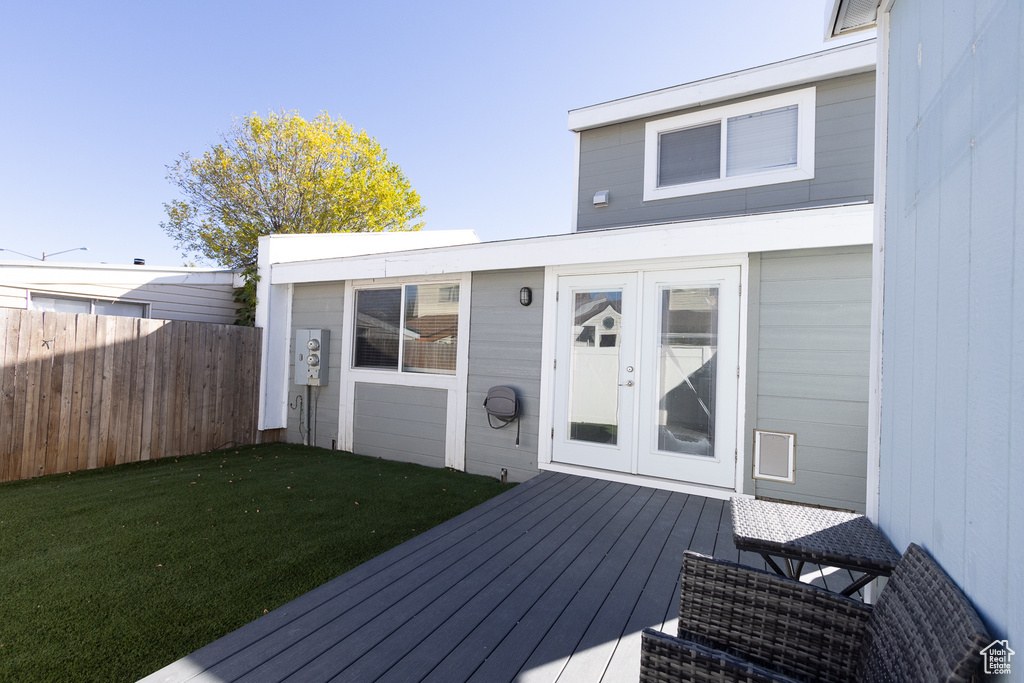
x,y
282,174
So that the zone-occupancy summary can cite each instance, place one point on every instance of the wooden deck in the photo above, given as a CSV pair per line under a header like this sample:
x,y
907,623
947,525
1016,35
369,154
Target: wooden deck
x,y
551,581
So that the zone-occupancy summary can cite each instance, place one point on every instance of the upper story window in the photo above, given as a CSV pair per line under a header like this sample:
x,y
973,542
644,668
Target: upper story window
x,y
61,304
412,328
758,142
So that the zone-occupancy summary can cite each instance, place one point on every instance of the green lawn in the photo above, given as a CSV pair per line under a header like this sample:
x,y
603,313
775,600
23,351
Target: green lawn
x,y
110,574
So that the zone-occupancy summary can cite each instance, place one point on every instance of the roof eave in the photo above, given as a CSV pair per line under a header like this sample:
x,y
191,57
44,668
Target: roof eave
x,y
842,61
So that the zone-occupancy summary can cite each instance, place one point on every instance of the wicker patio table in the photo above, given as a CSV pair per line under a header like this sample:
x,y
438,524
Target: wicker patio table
x,y
807,534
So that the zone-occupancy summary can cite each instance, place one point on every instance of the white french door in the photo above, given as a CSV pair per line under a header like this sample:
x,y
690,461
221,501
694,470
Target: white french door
x,y
690,361
646,373
594,370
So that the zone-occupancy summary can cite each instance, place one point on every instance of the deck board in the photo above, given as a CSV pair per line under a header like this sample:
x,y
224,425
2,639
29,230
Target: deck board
x,y
335,646
550,581
564,634
535,604
468,607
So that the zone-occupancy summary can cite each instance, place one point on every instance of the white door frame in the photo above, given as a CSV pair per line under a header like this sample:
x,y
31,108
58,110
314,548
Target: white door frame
x,y
548,352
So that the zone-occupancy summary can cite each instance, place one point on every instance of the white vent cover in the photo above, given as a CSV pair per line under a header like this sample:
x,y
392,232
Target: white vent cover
x,y
774,456
852,15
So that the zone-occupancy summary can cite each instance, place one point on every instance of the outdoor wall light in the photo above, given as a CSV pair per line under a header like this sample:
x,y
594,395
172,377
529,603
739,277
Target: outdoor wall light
x,y
526,296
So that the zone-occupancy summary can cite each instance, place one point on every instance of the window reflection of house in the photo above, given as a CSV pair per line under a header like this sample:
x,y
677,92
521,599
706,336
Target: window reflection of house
x,y
431,327
587,336
687,370
429,332
593,413
598,316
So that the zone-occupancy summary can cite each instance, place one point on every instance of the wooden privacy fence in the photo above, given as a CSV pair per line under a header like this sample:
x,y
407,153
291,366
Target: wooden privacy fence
x,y
84,391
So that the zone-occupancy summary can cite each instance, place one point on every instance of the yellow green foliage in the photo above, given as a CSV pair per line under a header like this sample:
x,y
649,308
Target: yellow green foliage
x,y
283,174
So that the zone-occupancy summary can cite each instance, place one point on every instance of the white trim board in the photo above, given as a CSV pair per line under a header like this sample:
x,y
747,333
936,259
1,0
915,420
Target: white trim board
x,y
878,276
802,229
291,248
641,480
575,216
841,61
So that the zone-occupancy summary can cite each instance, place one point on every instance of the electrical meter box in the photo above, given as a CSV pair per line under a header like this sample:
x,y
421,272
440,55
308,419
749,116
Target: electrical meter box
x,y
312,349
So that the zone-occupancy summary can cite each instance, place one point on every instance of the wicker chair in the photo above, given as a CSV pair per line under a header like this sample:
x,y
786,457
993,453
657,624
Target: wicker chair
x,y
740,624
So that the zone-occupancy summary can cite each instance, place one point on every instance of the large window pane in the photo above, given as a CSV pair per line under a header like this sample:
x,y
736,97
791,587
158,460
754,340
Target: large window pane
x,y
764,141
691,155
128,310
687,360
431,331
61,305
594,369
378,321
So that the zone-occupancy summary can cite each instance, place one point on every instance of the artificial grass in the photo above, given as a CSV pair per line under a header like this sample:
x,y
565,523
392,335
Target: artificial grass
x,y
111,574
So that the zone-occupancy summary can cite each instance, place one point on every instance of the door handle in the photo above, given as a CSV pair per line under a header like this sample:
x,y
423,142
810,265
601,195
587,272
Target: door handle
x,y
628,383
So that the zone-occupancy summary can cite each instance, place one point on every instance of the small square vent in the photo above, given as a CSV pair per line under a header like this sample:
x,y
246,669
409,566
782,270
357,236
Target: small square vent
x,y
774,456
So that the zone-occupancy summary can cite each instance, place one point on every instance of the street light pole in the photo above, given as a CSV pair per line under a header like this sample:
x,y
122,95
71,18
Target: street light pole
x,y
65,251
45,254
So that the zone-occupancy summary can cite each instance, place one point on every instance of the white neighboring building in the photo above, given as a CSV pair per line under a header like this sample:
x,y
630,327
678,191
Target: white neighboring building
x,y
164,292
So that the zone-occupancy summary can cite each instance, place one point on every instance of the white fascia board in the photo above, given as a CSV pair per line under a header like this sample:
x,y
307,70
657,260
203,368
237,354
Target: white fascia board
x,y
803,229
291,248
574,217
101,274
841,61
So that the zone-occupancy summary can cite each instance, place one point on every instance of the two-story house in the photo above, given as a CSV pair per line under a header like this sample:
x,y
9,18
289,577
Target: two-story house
x,y
705,327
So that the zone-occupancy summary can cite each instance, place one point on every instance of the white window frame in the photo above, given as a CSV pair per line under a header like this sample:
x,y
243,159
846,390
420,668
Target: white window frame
x,y
455,385
91,301
401,286
804,100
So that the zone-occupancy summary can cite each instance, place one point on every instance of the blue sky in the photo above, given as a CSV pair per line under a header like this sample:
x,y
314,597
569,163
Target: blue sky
x,y
470,98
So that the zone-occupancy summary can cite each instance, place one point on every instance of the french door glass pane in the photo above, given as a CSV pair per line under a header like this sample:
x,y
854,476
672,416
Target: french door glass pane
x,y
594,366
687,359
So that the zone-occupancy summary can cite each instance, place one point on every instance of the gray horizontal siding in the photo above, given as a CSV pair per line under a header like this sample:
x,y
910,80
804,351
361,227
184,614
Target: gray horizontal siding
x,y
814,313
400,423
318,306
843,491
504,348
612,158
797,361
